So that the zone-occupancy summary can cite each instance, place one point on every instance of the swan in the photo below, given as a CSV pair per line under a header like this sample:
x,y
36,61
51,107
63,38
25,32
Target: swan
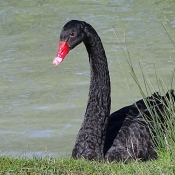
x,y
121,136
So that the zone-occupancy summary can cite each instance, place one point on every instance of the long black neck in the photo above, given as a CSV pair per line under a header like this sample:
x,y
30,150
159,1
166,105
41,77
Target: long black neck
x,y
90,139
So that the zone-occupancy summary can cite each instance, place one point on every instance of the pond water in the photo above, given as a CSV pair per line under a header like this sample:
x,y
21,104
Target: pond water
x,y
42,106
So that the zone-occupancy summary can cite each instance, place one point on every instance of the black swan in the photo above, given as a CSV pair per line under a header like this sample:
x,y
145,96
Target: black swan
x,y
121,136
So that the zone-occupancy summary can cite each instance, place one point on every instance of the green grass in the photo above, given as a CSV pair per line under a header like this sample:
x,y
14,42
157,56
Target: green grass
x,y
9,165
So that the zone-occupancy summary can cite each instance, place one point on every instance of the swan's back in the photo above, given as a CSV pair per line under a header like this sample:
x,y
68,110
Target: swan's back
x,y
128,133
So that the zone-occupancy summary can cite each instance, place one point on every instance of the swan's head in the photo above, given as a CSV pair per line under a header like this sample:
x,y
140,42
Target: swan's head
x,y
71,35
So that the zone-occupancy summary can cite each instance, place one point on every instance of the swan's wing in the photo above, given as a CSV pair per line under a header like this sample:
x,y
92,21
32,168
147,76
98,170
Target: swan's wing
x,y
127,134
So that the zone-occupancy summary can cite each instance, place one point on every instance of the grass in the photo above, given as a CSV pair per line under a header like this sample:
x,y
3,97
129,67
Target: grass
x,y
165,131
165,136
9,165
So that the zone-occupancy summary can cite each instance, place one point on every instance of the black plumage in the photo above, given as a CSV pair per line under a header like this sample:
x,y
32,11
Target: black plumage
x,y
123,135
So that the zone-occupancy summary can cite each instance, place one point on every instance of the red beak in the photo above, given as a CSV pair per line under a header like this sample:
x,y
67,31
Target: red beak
x,y
63,50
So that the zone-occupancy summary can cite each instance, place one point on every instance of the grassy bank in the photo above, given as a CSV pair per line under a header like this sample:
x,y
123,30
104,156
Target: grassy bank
x,y
165,164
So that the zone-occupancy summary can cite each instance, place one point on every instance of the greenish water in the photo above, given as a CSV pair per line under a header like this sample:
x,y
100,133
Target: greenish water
x,y
42,106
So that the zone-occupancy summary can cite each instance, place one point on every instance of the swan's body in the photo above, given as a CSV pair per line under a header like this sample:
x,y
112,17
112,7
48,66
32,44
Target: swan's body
x,y
122,135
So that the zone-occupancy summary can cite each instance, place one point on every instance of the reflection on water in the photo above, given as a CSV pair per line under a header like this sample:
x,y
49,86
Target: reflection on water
x,y
42,106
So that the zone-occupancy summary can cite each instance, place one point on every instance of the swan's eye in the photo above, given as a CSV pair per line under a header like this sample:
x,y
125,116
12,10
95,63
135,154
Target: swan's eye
x,y
72,34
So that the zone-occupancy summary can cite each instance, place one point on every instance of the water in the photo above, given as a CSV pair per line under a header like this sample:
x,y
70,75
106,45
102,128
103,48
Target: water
x,y
42,106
